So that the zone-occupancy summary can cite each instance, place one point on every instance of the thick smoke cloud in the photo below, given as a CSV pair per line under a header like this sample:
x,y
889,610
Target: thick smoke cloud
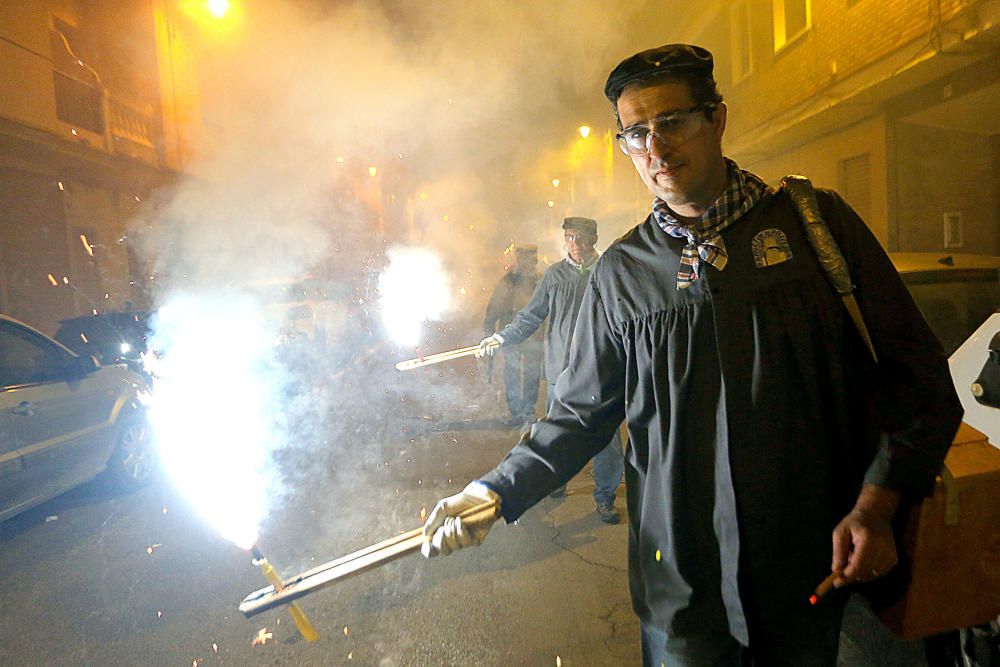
x,y
457,105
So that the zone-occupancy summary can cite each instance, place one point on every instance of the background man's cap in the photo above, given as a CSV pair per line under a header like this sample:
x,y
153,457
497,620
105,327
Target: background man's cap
x,y
661,61
527,249
585,224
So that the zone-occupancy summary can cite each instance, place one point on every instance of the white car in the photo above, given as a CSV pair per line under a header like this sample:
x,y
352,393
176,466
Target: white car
x,y
63,420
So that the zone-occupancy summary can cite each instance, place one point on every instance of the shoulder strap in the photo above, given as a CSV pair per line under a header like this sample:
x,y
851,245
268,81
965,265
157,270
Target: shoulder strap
x,y
800,190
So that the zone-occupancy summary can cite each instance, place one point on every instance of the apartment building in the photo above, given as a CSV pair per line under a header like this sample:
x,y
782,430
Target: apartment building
x,y
895,103
96,111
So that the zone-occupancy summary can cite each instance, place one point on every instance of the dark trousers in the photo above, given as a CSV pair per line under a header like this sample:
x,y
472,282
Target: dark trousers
x,y
522,371
807,639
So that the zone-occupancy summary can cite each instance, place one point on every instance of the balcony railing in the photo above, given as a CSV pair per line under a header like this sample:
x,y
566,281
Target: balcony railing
x,y
133,129
129,128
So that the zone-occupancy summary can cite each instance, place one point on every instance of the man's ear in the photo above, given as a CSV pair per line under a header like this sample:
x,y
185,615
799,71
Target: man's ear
x,y
719,119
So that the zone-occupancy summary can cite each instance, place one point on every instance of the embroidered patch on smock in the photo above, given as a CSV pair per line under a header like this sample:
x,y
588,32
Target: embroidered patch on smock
x,y
770,247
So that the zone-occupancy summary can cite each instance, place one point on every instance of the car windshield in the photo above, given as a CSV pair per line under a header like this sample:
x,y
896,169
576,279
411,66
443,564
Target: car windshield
x,y
955,302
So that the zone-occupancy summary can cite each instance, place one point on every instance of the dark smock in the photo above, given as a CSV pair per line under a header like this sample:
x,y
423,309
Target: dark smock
x,y
754,413
557,297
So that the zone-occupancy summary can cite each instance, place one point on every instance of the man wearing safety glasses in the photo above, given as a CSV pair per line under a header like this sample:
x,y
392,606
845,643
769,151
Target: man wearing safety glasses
x,y
767,449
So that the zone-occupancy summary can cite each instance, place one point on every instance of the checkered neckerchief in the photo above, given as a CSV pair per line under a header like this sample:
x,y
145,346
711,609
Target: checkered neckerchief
x,y
704,241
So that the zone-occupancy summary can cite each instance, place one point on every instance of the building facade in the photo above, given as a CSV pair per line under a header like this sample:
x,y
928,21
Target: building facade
x,y
91,113
894,103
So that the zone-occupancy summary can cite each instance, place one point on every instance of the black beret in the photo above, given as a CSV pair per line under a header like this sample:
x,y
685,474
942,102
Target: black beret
x,y
664,60
584,224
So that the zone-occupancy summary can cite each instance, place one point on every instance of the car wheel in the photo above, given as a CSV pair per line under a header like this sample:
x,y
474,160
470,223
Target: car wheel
x,y
133,460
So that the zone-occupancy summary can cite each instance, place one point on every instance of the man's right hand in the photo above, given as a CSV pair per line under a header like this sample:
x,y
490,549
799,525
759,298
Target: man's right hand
x,y
489,345
447,531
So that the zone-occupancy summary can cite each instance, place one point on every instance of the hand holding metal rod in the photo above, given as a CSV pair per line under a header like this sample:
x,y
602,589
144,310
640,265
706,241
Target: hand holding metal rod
x,y
421,361
352,564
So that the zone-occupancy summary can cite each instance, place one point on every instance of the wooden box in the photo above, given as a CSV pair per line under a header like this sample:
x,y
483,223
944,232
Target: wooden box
x,y
950,550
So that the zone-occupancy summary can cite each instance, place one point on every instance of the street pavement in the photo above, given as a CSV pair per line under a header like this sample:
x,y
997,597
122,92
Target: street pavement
x,y
97,578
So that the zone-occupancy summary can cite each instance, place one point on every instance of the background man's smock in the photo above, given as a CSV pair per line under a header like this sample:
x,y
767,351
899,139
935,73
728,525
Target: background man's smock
x,y
754,412
522,362
557,297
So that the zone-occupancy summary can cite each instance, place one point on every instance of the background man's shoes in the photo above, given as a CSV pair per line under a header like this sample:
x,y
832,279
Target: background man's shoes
x,y
608,513
558,493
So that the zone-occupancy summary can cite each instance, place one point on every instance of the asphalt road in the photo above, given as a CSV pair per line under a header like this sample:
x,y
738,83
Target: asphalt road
x,y
94,578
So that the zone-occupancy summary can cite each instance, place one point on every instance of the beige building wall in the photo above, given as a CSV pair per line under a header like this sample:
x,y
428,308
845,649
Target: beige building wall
x,y
823,161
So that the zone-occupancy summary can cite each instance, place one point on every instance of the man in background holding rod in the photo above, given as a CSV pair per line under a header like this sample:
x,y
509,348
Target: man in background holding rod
x,y
522,364
557,298
767,448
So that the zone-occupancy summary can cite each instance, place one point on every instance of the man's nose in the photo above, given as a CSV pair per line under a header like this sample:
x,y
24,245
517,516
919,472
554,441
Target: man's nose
x,y
656,148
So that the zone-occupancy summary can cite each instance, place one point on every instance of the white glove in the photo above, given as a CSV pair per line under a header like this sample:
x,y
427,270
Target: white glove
x,y
489,345
448,532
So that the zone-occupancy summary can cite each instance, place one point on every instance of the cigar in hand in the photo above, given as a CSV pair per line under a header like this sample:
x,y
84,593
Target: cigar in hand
x,y
824,587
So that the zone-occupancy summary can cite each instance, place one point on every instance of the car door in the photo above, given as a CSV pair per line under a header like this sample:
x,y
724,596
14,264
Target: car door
x,y
12,489
61,422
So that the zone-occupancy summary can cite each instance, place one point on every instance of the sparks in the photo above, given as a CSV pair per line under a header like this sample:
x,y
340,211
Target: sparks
x,y
52,279
159,614
89,249
657,555
345,630
262,636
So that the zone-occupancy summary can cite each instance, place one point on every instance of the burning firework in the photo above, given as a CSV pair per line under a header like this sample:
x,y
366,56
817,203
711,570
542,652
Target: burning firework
x,y
415,289
215,407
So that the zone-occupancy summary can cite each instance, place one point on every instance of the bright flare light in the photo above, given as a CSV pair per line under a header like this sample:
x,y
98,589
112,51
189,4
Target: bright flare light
x,y
215,406
584,131
218,8
414,289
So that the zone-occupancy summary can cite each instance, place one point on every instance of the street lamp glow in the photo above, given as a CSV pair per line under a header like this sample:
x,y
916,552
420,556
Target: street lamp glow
x,y
218,8
555,182
584,131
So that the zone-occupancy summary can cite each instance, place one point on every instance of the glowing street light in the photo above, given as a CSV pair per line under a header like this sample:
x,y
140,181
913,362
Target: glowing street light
x,y
555,182
218,8
584,131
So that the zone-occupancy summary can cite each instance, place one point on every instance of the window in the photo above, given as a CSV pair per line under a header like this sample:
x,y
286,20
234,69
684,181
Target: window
x,y
739,31
79,100
25,358
792,18
855,184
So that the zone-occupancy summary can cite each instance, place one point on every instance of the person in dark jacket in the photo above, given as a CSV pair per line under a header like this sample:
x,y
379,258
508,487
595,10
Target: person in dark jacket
x,y
522,364
557,299
767,448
